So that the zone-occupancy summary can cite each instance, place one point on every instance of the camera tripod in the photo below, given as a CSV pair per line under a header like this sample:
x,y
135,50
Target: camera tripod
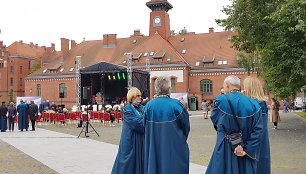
x,y
86,125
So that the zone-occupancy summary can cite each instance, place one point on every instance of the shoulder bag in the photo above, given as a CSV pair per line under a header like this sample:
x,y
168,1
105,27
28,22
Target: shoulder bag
x,y
234,139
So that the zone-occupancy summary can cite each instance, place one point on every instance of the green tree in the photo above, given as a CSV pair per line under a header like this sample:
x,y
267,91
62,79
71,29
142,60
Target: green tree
x,y
249,61
276,30
183,31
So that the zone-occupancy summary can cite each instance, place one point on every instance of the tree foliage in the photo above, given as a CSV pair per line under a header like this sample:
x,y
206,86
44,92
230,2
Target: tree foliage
x,y
276,30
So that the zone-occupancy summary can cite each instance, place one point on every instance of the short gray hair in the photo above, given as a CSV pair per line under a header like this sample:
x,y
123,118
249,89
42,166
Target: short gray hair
x,y
162,85
233,80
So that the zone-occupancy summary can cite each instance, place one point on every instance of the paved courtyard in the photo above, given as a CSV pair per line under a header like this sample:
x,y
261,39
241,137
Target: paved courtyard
x,y
48,151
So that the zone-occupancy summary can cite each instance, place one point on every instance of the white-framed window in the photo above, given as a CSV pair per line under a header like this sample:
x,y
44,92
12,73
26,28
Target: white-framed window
x,y
206,86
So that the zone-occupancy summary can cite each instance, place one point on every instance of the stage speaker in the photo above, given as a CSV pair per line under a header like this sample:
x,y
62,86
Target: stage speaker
x,y
61,95
86,93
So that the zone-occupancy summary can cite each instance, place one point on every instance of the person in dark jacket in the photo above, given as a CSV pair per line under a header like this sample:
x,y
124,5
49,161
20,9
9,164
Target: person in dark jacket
x,y
3,116
12,112
33,111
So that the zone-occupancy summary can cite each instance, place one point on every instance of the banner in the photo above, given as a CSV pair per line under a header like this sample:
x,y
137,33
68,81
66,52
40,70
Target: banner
x,y
36,99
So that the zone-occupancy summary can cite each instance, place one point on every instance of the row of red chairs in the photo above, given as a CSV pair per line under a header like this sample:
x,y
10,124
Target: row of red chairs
x,y
75,116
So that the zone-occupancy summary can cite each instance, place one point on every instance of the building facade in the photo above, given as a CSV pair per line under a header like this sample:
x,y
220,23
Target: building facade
x,y
196,63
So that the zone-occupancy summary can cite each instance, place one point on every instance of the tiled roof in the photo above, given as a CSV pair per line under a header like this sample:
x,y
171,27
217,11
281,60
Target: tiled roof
x,y
205,46
91,53
23,49
199,51
157,46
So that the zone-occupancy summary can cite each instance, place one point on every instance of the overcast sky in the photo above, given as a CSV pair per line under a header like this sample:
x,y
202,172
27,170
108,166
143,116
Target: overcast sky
x,y
45,21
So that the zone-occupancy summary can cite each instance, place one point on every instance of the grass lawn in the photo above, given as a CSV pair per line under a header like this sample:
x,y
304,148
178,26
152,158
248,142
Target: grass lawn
x,y
301,114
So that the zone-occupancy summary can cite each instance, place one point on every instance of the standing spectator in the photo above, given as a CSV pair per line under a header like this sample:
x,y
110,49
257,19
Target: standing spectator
x,y
166,131
33,112
3,117
253,89
285,105
184,103
46,105
12,112
23,122
129,159
275,113
145,101
53,107
111,116
237,159
205,109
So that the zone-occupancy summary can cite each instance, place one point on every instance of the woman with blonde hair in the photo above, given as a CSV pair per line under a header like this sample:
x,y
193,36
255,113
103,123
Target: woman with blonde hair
x,y
253,89
129,159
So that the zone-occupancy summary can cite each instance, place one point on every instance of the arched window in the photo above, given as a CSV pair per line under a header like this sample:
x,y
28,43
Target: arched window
x,y
38,89
63,89
206,86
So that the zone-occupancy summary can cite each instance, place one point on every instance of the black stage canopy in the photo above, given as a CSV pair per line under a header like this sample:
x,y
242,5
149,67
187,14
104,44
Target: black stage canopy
x,y
106,83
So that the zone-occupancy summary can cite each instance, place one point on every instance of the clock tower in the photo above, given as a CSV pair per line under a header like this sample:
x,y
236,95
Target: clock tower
x,y
159,18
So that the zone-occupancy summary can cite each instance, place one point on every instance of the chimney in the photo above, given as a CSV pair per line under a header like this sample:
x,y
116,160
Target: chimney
x,y
109,40
73,44
211,30
53,46
137,32
1,44
64,47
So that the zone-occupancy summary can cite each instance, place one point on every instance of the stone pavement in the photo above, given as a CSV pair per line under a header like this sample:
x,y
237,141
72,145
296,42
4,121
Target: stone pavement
x,y
68,154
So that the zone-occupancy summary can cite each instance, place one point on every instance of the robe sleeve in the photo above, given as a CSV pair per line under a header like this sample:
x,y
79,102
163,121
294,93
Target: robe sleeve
x,y
136,123
215,114
184,121
253,142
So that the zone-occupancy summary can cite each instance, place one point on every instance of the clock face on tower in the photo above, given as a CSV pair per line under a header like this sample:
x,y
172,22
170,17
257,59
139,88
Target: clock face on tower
x,y
157,21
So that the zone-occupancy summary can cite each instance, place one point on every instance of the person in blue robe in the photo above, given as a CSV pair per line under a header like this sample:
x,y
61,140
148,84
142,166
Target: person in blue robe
x,y
241,160
3,117
166,131
23,121
254,89
129,159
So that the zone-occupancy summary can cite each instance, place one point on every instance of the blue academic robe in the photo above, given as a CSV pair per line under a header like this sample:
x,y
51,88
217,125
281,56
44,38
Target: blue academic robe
x,y
264,162
166,131
3,119
129,159
23,122
249,114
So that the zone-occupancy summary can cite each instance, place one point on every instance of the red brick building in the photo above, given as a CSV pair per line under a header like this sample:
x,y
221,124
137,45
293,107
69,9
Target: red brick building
x,y
16,62
197,63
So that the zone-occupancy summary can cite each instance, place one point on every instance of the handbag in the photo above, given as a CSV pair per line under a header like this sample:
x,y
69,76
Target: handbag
x,y
234,139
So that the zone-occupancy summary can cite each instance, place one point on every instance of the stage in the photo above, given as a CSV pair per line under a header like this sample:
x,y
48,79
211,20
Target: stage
x,y
105,83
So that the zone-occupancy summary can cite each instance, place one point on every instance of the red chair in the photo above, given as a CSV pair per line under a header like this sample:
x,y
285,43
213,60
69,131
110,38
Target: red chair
x,y
39,120
73,117
95,116
101,116
61,118
118,116
106,117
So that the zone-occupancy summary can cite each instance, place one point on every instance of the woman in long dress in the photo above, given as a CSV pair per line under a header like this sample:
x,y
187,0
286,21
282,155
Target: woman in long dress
x,y
275,113
129,159
253,89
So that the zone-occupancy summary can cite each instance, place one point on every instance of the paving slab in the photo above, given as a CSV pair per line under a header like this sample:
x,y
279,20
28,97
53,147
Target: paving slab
x,y
68,154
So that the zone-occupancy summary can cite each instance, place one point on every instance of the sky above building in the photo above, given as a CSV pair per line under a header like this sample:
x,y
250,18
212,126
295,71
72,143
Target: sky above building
x,y
46,21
